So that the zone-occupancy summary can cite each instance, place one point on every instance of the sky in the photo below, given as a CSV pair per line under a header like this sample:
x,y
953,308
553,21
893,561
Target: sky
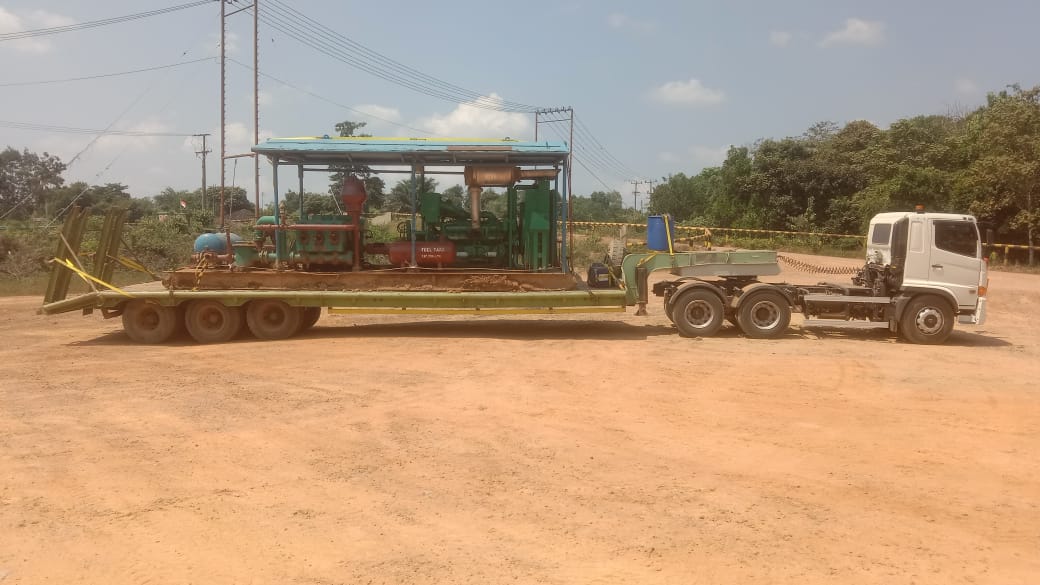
x,y
658,88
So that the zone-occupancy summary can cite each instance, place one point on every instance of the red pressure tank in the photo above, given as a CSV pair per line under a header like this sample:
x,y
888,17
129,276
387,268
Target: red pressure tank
x,y
353,195
429,254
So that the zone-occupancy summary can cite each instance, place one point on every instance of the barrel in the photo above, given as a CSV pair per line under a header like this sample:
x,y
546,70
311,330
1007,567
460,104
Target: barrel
x,y
656,235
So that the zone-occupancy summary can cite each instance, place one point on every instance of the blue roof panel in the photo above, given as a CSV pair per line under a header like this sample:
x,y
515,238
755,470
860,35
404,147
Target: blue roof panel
x,y
432,151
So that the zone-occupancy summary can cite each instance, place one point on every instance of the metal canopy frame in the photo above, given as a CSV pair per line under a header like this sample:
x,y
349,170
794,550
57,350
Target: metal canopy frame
x,y
418,154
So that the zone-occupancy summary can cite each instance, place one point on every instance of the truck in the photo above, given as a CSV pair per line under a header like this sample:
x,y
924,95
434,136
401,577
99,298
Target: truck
x,y
923,271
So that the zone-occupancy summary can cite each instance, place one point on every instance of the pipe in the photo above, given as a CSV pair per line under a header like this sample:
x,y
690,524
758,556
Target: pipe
x,y
474,205
309,227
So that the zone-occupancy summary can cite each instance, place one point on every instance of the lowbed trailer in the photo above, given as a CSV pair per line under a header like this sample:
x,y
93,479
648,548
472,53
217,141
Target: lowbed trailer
x,y
923,271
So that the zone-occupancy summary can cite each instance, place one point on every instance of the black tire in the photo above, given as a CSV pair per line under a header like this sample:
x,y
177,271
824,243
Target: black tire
x,y
271,319
211,321
309,316
927,320
764,314
149,322
698,313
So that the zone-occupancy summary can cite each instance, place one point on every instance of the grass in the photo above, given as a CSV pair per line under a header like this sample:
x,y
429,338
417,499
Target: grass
x,y
36,284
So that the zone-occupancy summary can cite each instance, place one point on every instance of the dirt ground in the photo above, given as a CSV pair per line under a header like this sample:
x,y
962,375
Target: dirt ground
x,y
600,449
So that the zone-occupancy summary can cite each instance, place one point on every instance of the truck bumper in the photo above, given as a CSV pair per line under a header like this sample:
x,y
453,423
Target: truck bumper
x,y
976,318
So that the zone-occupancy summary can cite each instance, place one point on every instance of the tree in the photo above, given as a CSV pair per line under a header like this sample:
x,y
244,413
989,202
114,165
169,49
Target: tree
x,y
374,186
1005,176
26,179
400,199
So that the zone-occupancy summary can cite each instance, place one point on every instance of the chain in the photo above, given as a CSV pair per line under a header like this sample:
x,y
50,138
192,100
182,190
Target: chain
x,y
816,269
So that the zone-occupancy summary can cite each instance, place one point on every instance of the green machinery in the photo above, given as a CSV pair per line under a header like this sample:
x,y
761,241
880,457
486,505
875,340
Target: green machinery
x,y
524,238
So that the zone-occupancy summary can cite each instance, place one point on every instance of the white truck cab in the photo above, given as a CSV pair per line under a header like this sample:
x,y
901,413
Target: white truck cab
x,y
939,253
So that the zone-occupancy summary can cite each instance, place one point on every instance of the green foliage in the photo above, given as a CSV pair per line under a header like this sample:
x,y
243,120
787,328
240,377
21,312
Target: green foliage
x,y
162,244
835,178
26,180
604,206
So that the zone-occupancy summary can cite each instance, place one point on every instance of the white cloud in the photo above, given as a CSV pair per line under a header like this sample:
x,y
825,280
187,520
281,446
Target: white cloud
x,y
780,38
688,93
384,113
468,120
965,86
622,21
709,156
856,32
11,22
668,157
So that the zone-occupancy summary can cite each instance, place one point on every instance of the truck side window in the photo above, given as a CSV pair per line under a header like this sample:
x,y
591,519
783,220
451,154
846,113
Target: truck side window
x,y
881,233
959,237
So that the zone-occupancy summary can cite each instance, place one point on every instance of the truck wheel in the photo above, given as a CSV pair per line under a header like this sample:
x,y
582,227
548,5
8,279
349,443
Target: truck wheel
x,y
149,322
697,313
211,321
764,315
271,319
309,316
928,319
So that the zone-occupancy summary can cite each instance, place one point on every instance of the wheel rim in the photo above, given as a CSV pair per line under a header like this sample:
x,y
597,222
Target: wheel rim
x,y
929,321
211,319
274,316
148,319
765,315
699,314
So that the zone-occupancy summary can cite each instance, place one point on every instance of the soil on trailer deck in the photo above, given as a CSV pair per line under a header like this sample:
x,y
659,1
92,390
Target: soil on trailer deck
x,y
601,449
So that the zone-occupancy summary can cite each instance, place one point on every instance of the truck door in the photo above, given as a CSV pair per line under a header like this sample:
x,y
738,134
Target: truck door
x,y
955,259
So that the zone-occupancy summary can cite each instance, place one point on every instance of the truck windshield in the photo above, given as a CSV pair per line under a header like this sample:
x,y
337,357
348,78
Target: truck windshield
x,y
959,237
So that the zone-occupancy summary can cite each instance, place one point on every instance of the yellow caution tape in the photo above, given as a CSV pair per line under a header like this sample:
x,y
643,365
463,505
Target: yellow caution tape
x,y
87,277
135,266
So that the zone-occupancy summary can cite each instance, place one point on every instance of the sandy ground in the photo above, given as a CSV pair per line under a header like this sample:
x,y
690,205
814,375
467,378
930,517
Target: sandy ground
x,y
599,449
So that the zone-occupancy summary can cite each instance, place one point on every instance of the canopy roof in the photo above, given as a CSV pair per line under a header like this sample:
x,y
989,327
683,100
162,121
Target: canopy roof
x,y
323,150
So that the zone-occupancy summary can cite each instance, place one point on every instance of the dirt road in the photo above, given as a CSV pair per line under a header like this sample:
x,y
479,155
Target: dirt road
x,y
498,450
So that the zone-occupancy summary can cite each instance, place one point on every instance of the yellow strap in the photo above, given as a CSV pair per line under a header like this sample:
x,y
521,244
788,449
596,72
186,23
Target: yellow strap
x,y
88,277
135,266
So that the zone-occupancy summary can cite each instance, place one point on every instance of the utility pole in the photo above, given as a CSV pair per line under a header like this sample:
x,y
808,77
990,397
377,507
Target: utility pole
x,y
650,192
203,152
635,194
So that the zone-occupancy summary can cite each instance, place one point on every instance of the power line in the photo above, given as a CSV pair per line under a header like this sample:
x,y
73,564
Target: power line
x,y
328,100
25,34
316,35
386,66
88,131
103,75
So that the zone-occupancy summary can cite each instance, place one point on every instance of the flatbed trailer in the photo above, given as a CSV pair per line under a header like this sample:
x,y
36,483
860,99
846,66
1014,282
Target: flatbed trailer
x,y
923,271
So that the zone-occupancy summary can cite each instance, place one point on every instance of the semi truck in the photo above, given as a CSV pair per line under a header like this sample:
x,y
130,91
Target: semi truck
x,y
923,271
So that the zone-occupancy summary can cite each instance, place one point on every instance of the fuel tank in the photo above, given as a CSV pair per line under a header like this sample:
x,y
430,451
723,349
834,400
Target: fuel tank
x,y
428,254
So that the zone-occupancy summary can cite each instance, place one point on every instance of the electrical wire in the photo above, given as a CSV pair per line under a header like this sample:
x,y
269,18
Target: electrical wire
x,y
88,131
316,35
382,62
25,34
104,75
328,100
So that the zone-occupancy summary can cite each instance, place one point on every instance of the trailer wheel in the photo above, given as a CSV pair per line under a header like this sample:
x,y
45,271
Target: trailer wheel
x,y
271,319
309,316
149,322
211,321
764,315
928,319
697,313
